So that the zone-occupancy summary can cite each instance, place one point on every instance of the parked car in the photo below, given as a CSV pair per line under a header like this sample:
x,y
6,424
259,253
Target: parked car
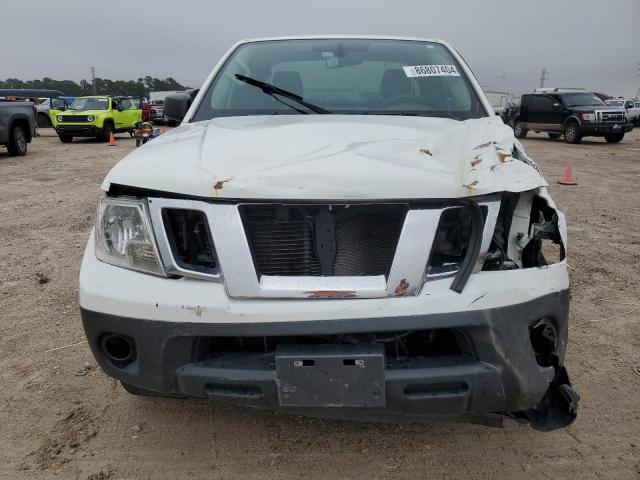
x,y
17,126
339,226
156,113
632,108
96,116
45,106
572,114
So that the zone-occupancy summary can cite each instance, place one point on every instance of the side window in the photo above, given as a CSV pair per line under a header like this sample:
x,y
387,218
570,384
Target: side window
x,y
126,104
541,104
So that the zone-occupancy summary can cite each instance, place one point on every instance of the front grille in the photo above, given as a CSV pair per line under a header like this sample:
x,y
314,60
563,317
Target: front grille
x,y
613,117
323,240
74,118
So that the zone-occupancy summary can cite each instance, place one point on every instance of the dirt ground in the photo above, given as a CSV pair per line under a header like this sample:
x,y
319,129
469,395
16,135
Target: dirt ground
x,y
60,420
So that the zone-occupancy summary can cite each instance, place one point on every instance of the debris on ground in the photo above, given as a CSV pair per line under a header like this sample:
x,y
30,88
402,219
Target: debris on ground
x,y
81,372
41,278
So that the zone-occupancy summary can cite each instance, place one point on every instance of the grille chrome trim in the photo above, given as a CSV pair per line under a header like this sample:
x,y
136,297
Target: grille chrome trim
x,y
236,268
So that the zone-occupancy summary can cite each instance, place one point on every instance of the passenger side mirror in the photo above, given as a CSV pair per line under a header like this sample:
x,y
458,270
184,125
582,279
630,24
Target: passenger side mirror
x,y
557,106
176,105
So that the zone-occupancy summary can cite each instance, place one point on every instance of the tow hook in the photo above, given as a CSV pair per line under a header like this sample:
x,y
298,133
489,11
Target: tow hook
x,y
559,406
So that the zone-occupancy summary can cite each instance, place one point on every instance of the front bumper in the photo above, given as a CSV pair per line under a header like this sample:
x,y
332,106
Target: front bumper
x,y
499,374
495,373
78,130
601,129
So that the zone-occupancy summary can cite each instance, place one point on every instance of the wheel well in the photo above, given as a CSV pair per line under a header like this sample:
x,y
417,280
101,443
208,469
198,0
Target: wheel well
x,y
25,126
108,120
571,120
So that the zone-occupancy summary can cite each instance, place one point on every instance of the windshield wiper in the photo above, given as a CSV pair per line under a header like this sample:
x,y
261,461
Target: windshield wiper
x,y
273,90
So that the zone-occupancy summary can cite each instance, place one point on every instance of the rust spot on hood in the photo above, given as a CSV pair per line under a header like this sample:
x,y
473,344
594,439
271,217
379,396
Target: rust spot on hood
x,y
476,160
470,185
504,157
220,184
426,151
401,289
331,294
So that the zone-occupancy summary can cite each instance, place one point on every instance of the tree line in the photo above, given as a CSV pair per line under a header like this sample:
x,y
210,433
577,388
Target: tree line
x,y
103,86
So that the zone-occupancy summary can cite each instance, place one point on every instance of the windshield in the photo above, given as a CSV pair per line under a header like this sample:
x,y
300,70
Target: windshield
x,y
582,99
342,76
90,103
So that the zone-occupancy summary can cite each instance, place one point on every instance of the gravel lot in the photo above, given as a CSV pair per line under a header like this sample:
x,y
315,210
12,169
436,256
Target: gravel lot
x,y
60,420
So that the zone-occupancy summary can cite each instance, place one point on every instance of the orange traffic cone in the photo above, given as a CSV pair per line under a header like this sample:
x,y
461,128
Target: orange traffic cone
x,y
568,175
112,140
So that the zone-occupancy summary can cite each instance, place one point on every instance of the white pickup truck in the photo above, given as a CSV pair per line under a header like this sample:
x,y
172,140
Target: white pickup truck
x,y
339,226
632,108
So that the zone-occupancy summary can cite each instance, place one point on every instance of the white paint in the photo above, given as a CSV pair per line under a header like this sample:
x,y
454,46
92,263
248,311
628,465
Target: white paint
x,y
329,157
118,291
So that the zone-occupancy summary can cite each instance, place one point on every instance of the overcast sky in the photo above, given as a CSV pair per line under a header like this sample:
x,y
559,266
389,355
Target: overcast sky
x,y
585,43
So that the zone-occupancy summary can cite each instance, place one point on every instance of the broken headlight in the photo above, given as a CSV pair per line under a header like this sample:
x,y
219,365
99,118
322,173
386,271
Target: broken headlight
x,y
124,236
450,243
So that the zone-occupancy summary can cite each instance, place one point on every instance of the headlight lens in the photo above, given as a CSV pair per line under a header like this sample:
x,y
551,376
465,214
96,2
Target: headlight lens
x,y
124,236
588,117
59,118
90,118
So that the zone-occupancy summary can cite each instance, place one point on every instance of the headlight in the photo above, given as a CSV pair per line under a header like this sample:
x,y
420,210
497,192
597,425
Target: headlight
x,y
588,117
59,117
124,236
90,118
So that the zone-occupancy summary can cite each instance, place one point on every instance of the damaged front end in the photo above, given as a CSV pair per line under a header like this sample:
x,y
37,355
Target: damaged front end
x,y
531,233
454,288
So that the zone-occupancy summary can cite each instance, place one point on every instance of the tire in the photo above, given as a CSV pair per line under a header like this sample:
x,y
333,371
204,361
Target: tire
x,y
554,135
17,146
65,138
106,130
572,133
518,130
614,137
44,121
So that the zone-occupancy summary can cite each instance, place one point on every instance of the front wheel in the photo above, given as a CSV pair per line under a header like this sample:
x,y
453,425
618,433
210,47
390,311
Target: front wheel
x,y
614,137
17,142
65,138
554,135
519,131
107,130
572,133
43,121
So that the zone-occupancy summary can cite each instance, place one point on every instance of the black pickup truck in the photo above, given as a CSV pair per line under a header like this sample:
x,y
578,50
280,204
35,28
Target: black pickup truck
x,y
574,114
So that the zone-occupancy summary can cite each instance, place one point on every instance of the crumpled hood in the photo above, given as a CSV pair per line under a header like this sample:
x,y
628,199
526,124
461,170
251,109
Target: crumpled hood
x,y
330,157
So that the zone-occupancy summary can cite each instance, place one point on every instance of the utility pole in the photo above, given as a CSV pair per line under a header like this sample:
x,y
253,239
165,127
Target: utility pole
x,y
543,77
638,91
504,83
93,80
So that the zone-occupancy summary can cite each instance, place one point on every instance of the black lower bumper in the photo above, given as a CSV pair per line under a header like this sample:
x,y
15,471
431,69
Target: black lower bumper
x,y
500,372
602,129
79,130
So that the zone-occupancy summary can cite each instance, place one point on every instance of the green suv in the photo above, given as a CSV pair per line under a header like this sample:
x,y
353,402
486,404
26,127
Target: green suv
x,y
96,116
